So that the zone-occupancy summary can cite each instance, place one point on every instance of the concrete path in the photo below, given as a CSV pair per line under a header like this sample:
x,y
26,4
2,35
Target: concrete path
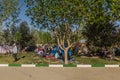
x,y
42,73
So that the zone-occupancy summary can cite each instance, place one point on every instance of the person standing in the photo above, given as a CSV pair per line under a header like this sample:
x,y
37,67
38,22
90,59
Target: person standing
x,y
15,51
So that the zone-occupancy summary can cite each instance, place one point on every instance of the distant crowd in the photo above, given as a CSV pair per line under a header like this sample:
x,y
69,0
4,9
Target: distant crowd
x,y
78,49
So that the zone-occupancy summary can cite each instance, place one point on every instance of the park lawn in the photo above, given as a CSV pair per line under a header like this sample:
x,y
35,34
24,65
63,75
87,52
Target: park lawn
x,y
96,60
24,58
31,58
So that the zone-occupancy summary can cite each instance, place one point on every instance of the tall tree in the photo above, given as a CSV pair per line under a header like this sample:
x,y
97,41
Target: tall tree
x,y
9,9
57,15
100,18
101,35
63,15
26,38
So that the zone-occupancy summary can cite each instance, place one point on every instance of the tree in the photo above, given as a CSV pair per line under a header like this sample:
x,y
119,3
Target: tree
x,y
60,16
25,37
101,35
40,36
117,36
100,19
15,33
6,36
46,37
9,10
20,35
115,9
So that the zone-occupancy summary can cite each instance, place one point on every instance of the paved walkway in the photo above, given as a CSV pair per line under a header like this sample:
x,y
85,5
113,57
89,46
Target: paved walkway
x,y
42,73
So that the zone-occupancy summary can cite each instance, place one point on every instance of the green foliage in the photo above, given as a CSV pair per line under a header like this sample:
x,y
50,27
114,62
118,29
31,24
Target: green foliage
x,y
100,11
100,34
6,36
50,13
100,17
41,36
115,9
9,11
25,37
7,8
62,16
21,35
57,16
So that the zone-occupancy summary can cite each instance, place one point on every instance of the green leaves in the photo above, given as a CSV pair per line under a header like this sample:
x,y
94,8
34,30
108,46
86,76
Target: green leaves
x,y
95,13
54,11
41,36
7,7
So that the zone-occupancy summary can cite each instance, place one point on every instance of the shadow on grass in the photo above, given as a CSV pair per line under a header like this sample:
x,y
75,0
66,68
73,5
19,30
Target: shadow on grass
x,y
116,60
20,58
23,57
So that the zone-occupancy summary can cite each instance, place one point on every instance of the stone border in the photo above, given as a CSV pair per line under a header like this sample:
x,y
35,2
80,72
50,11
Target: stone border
x,y
58,65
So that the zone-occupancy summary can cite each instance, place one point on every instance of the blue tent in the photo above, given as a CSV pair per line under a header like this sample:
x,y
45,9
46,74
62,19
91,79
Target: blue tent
x,y
56,49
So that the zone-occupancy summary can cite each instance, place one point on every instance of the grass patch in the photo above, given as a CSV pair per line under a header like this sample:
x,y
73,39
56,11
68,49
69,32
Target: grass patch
x,y
14,65
95,61
42,65
69,65
24,58
98,65
31,58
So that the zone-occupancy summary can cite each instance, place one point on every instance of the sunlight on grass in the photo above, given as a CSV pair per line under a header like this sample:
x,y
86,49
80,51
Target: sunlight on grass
x,y
31,58
25,58
91,60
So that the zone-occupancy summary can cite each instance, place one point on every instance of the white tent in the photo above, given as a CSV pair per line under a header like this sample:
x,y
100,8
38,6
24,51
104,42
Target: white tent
x,y
5,49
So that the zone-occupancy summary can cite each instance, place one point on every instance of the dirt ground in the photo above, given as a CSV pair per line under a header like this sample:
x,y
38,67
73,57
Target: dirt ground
x,y
42,73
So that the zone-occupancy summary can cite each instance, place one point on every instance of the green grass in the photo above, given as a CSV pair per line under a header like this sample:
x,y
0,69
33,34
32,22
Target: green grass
x,y
25,58
95,61
30,58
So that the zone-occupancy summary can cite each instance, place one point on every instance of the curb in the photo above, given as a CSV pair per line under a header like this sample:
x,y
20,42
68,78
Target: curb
x,y
58,65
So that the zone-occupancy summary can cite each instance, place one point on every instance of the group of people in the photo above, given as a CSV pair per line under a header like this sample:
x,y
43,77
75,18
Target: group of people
x,y
54,52
110,52
103,52
79,49
43,50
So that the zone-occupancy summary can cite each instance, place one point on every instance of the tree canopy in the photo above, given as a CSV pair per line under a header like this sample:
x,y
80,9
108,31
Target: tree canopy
x,y
100,21
59,16
63,16
7,8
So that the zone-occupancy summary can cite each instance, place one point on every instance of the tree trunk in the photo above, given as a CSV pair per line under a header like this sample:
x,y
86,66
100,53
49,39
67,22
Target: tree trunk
x,y
66,56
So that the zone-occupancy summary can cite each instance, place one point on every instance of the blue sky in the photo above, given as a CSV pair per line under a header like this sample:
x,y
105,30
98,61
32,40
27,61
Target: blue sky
x,y
22,15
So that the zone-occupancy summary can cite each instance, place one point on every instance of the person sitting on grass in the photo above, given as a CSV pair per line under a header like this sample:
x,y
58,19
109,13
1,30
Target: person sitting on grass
x,y
107,54
40,51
